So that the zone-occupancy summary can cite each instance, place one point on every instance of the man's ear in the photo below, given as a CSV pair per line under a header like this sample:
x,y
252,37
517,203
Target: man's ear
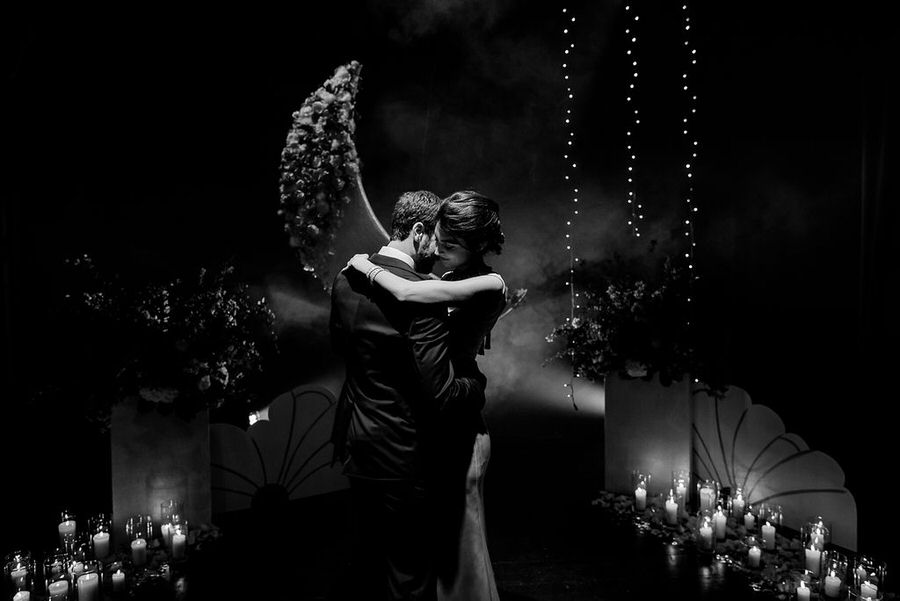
x,y
418,229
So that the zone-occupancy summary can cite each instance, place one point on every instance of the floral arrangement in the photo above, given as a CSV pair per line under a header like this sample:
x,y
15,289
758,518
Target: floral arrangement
x,y
319,166
634,326
182,345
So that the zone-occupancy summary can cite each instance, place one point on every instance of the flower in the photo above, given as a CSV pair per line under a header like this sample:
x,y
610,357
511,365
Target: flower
x,y
319,165
635,326
183,345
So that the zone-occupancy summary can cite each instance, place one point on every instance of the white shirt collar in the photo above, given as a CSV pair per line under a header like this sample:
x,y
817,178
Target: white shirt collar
x,y
390,251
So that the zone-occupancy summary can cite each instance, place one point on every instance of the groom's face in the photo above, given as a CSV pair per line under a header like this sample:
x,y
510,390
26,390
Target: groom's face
x,y
425,248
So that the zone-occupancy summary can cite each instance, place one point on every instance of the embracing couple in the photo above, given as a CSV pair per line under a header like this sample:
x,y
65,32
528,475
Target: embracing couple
x,y
408,426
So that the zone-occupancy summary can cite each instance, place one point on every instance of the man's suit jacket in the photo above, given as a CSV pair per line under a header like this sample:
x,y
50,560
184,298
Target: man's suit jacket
x,y
399,376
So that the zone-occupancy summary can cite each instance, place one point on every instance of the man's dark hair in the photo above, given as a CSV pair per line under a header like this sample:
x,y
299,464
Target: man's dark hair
x,y
420,205
474,219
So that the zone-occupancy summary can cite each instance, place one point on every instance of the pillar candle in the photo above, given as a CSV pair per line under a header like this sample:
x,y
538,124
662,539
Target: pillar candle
x,y
640,499
813,557
707,498
118,581
802,592
139,551
671,511
754,556
832,586
737,507
66,531
18,577
768,532
749,521
680,490
89,587
59,590
178,543
101,545
166,532
22,596
720,522
867,590
706,537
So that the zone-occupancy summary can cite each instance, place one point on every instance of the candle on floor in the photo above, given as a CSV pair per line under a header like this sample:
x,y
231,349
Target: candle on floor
x,y
720,521
749,521
101,545
88,587
179,541
832,585
671,510
118,581
802,592
66,531
640,499
139,551
867,590
768,532
813,559
754,556
59,590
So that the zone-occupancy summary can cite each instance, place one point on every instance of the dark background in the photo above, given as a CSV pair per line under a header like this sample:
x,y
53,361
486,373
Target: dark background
x,y
152,142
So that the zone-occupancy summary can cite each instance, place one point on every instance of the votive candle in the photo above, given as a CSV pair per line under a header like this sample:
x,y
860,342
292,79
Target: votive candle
x,y
720,522
749,521
640,498
813,559
139,551
101,545
22,596
179,541
18,577
118,581
66,531
802,592
754,556
867,590
671,510
832,585
89,587
768,532
59,590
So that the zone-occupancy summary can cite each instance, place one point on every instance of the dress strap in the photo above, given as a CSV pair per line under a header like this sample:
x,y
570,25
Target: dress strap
x,y
499,277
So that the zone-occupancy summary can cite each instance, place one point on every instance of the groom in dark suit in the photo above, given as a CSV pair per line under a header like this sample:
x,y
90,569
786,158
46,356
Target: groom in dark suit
x,y
398,379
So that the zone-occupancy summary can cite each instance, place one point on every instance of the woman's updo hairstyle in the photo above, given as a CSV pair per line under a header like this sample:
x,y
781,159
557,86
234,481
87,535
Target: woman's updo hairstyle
x,y
474,219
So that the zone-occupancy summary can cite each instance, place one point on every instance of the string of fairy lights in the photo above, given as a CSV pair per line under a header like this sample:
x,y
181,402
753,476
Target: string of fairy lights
x,y
635,208
569,176
692,144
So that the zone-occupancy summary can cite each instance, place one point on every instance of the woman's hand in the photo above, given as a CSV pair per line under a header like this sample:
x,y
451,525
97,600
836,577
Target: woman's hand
x,y
360,262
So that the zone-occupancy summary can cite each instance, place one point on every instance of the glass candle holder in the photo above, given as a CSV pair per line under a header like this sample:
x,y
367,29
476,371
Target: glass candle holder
x,y
681,486
817,532
139,529
770,512
59,589
67,528
640,482
868,578
752,552
18,570
54,566
737,504
707,495
100,530
88,580
170,511
704,534
834,575
180,532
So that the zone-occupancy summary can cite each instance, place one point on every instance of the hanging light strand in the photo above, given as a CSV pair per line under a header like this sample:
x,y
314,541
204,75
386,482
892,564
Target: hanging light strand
x,y
633,203
569,175
688,131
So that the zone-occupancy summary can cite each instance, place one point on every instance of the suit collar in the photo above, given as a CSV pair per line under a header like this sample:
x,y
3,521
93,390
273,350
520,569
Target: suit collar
x,y
396,265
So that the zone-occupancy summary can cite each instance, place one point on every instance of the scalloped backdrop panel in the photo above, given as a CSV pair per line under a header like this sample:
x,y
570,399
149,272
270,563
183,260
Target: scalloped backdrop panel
x,y
291,449
741,444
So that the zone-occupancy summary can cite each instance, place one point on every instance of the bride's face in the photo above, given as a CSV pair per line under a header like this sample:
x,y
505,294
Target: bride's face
x,y
450,251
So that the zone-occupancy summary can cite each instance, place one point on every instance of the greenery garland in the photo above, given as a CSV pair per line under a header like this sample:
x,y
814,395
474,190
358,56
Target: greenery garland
x,y
319,167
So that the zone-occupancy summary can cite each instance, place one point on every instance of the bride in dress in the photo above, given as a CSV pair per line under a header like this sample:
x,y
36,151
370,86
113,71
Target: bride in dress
x,y
468,228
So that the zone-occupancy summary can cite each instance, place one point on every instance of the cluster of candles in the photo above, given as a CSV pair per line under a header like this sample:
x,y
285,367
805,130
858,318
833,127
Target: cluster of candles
x,y
825,568
84,564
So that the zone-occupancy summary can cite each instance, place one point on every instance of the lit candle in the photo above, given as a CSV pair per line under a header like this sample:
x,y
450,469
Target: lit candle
x,y
118,581
768,532
671,510
737,506
706,536
813,557
754,556
749,521
76,568
101,545
707,498
89,587
18,577
802,592
22,596
832,585
139,551
720,522
867,590
59,590
178,543
819,539
66,531
681,489
640,498
166,531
